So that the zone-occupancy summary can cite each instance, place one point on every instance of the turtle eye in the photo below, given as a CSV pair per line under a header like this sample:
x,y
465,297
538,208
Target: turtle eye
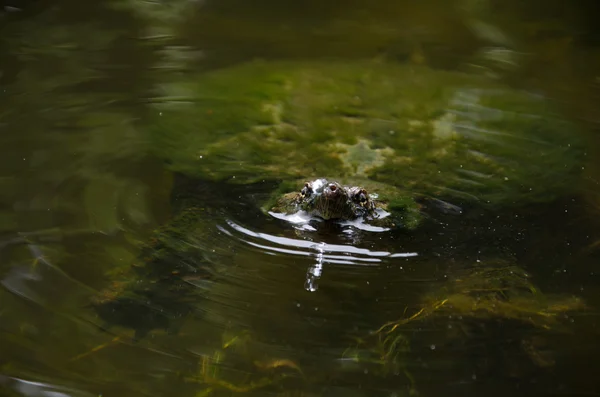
x,y
306,190
332,187
362,196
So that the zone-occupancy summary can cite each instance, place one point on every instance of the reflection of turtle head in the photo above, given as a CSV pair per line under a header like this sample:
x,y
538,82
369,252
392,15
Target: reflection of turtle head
x,y
331,200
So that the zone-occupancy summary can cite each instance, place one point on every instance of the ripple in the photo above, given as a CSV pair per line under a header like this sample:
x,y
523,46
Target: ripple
x,y
322,252
302,219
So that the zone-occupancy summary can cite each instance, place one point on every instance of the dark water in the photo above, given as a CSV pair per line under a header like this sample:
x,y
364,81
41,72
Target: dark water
x,y
286,312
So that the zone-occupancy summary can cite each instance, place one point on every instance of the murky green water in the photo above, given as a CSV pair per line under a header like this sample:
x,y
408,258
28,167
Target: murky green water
x,y
478,300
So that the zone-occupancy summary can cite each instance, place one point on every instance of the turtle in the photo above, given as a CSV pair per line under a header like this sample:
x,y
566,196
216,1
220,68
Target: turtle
x,y
329,200
355,202
343,141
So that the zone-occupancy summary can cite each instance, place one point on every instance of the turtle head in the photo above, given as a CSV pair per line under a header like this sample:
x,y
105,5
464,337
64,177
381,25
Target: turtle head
x,y
331,200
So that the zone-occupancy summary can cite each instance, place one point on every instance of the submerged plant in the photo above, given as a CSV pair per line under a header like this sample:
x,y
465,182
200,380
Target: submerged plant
x,y
502,291
499,292
234,368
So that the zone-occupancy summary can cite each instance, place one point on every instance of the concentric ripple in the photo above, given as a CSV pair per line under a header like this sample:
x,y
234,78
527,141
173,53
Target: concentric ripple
x,y
322,252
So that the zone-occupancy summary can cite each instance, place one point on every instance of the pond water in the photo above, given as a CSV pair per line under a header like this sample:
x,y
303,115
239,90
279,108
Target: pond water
x,y
111,286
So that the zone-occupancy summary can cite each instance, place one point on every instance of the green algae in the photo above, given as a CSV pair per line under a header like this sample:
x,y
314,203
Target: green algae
x,y
428,131
497,291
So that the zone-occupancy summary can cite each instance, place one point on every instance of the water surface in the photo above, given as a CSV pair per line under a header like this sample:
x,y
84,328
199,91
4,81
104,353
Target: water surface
x,y
282,309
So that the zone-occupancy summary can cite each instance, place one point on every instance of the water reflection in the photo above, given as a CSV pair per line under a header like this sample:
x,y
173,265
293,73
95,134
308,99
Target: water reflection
x,y
39,389
286,312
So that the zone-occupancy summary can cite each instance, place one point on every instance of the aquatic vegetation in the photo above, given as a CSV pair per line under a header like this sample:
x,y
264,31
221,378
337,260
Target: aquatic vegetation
x,y
428,131
492,292
161,289
503,292
467,304
243,372
384,358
